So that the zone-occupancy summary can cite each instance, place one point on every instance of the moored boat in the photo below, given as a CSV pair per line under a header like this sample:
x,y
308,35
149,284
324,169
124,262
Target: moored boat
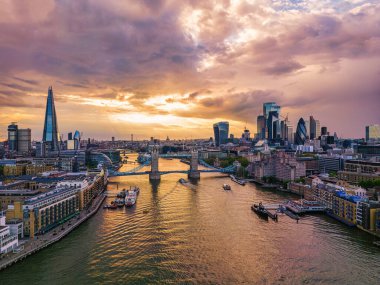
x,y
236,180
226,187
130,199
113,205
119,202
182,181
260,210
121,194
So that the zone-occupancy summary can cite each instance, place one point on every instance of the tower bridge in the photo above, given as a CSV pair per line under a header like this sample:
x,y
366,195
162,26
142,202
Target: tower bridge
x,y
155,173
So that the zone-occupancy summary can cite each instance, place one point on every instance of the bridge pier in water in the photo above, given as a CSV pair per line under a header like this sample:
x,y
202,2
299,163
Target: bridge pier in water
x,y
154,174
194,172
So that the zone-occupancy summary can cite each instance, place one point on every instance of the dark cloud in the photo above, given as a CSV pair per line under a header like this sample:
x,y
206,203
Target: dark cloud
x,y
283,67
28,81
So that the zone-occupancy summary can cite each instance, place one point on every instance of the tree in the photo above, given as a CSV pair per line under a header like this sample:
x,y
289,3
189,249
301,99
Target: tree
x,y
91,164
369,183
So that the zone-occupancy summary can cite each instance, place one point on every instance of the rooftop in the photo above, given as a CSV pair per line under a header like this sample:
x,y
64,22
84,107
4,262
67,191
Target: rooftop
x,y
48,195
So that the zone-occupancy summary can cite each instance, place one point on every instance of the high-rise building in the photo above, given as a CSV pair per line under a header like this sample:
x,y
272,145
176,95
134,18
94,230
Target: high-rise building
x,y
221,133
24,140
283,127
324,131
77,138
51,135
290,133
12,137
312,128
270,106
273,125
216,134
261,127
372,132
70,136
301,133
315,128
274,118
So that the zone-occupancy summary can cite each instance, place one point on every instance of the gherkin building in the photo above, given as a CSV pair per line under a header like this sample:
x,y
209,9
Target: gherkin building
x,y
301,132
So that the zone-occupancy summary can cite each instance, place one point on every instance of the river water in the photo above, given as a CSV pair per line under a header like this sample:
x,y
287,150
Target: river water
x,y
201,234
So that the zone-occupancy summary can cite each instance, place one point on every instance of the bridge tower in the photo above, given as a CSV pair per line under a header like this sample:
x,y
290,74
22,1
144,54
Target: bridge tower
x,y
154,173
194,172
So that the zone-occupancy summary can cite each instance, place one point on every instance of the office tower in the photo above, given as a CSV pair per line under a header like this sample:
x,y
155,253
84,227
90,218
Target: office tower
x,y
70,136
301,133
216,134
12,137
268,109
324,131
113,139
372,132
261,127
24,140
221,133
270,106
273,126
317,129
313,128
77,138
51,136
283,128
290,133
70,144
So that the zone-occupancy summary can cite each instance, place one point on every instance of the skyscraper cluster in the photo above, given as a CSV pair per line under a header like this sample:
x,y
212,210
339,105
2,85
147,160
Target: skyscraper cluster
x,y
271,127
275,128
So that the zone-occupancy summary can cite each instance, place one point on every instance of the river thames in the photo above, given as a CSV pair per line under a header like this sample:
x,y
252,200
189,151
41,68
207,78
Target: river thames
x,y
201,234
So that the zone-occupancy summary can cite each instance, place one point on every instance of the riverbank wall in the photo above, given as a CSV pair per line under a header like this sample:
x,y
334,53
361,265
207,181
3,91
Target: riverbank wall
x,y
31,249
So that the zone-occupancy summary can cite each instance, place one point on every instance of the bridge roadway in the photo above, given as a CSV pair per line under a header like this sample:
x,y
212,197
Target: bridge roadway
x,y
135,171
170,171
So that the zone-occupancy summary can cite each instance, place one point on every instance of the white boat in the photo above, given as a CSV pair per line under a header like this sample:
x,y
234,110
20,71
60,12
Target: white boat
x,y
130,199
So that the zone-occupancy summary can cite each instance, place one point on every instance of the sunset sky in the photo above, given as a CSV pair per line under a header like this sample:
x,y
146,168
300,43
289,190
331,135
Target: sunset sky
x,y
158,68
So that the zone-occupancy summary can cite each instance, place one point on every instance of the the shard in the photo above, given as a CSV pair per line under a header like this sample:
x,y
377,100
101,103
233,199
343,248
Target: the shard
x,y
51,135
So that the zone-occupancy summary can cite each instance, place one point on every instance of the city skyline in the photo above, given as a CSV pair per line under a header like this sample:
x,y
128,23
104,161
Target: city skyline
x,y
177,68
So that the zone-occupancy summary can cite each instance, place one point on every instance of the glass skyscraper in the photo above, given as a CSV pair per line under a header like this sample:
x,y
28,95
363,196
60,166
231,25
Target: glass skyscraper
x,y
12,137
301,132
221,133
51,134
271,111
261,127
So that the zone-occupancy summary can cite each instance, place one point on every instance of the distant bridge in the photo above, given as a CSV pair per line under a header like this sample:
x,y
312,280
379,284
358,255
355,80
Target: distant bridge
x,y
193,172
